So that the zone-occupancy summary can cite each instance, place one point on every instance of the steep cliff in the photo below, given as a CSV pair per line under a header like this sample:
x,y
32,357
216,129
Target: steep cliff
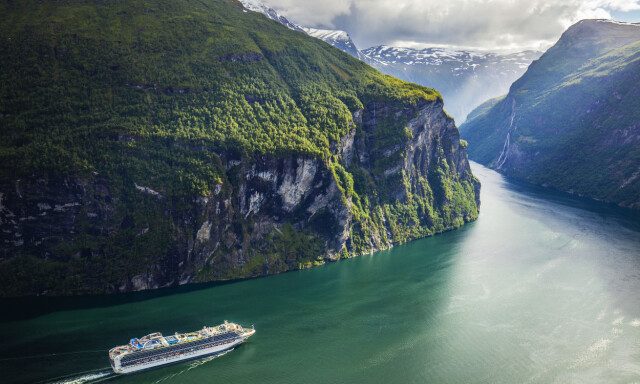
x,y
572,121
164,143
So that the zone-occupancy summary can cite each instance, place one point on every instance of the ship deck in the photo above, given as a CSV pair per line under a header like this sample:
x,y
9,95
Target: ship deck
x,y
134,357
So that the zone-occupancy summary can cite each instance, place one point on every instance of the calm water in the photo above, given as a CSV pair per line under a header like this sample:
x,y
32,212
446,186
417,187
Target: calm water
x,y
543,288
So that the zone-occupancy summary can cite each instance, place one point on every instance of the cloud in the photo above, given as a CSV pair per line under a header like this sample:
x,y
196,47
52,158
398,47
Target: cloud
x,y
480,24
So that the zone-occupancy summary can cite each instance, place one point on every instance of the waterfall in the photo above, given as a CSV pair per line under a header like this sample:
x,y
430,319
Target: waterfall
x,y
505,152
504,155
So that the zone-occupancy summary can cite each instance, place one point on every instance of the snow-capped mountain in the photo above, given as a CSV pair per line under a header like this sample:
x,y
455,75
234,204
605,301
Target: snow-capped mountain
x,y
337,38
256,6
465,78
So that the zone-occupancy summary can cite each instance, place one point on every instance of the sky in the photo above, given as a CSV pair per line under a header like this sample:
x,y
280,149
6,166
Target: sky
x,y
495,25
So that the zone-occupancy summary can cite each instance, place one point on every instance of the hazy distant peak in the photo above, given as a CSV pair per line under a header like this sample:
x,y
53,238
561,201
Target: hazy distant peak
x,y
324,34
601,28
607,21
257,6
338,38
438,56
465,78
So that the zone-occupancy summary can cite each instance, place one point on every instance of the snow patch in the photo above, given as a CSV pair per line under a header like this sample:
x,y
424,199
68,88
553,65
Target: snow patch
x,y
327,34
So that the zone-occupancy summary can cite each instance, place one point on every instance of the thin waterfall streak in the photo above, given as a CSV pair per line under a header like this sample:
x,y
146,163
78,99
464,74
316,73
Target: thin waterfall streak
x,y
504,155
505,149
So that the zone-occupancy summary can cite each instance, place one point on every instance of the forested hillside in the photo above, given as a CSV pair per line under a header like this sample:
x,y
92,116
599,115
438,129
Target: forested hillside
x,y
150,143
572,121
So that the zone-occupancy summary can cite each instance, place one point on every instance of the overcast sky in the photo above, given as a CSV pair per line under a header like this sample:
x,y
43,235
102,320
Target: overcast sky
x,y
474,24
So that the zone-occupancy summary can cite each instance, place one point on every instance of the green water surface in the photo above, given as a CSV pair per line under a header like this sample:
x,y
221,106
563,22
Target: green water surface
x,y
542,288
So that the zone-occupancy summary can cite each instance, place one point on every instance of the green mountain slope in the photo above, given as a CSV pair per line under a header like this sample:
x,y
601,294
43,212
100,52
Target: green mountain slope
x,y
151,143
572,122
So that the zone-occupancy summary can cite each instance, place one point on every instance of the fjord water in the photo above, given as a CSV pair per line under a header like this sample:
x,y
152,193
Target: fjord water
x,y
542,288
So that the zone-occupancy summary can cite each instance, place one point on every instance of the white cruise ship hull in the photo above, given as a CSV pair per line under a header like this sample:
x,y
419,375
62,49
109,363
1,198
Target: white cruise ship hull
x,y
176,358
155,350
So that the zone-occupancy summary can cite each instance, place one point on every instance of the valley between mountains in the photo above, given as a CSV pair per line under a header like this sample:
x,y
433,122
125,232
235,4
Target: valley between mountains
x,y
155,144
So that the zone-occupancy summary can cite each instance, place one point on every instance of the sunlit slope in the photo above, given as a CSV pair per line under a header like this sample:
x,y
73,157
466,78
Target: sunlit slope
x,y
154,143
77,73
572,122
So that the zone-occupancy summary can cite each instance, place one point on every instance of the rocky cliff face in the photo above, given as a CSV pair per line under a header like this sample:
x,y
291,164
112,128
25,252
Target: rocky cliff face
x,y
208,143
269,215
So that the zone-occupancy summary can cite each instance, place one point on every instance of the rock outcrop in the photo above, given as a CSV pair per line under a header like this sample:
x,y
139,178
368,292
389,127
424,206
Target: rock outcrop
x,y
270,214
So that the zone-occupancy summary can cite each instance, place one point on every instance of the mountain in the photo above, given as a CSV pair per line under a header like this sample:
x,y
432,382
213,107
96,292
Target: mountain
x,y
465,78
155,143
572,121
339,39
257,6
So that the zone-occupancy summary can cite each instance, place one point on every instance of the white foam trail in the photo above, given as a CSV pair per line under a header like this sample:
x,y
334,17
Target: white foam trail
x,y
618,321
192,365
199,362
635,323
85,378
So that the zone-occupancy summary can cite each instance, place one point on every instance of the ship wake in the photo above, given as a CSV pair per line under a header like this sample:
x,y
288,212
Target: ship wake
x,y
94,376
192,365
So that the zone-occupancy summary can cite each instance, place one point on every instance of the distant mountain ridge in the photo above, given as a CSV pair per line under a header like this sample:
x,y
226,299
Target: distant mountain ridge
x,y
465,78
572,121
257,6
339,39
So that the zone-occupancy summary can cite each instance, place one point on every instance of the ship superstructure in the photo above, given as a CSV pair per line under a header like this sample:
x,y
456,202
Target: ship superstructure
x,y
154,350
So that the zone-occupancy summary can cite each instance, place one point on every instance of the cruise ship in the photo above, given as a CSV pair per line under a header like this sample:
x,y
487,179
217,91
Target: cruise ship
x,y
155,350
